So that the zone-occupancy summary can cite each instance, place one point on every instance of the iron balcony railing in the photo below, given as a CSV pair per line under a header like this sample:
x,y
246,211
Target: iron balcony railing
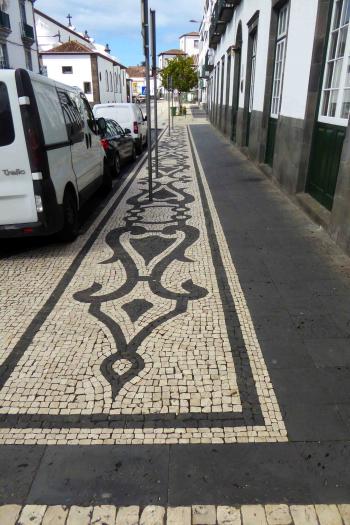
x,y
222,15
226,9
27,32
5,22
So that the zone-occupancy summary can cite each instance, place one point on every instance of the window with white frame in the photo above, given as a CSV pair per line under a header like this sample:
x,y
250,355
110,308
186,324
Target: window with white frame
x,y
4,61
335,98
280,60
252,73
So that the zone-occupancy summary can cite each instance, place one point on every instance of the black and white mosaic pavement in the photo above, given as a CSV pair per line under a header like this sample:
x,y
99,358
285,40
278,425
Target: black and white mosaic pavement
x,y
150,340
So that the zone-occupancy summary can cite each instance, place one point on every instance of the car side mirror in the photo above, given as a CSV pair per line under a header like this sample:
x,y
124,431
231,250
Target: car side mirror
x,y
145,118
102,125
127,131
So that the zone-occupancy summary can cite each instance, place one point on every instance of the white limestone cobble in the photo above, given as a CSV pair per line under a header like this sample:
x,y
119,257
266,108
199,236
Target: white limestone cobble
x,y
159,515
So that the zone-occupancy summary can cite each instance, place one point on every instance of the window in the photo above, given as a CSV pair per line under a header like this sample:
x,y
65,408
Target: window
x,y
115,82
7,131
87,88
67,70
70,104
280,59
252,74
196,44
111,81
89,116
119,129
335,99
107,82
22,9
4,62
28,57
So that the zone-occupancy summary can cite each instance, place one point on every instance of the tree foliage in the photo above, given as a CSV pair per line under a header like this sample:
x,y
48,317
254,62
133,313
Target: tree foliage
x,y
182,71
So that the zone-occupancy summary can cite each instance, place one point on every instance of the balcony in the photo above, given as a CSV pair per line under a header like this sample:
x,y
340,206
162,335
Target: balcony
x,y
203,72
5,26
209,62
222,15
28,34
4,63
226,9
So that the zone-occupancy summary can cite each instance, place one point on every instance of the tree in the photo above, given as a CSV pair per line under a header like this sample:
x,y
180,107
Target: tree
x,y
182,71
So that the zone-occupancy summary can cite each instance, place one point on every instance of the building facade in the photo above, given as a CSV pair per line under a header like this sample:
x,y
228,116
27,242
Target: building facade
x,y
18,47
189,43
277,77
75,59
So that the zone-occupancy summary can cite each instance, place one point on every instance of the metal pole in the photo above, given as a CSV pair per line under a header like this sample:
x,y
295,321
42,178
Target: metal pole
x,y
154,71
145,32
172,104
169,105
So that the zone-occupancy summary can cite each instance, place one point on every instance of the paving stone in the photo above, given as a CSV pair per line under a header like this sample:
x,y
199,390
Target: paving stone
x,y
228,516
9,514
253,515
128,515
278,515
304,514
104,515
179,516
152,515
328,515
203,515
345,513
32,515
79,515
55,515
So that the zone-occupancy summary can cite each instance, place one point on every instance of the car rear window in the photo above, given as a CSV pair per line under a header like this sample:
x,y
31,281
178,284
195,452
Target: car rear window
x,y
7,130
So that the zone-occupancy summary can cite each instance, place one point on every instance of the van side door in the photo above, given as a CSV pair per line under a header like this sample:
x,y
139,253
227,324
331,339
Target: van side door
x,y
95,153
73,116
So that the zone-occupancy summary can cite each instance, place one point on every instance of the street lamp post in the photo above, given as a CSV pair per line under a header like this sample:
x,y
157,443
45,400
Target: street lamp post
x,y
145,34
154,73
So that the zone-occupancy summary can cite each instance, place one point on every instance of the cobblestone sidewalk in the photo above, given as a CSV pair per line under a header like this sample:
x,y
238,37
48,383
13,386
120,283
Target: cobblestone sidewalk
x,y
196,515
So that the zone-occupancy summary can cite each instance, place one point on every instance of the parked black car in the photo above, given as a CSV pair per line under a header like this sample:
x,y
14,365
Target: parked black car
x,y
118,145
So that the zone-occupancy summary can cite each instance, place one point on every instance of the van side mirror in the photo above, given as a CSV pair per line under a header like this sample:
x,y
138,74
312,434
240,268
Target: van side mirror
x,y
102,125
145,118
127,131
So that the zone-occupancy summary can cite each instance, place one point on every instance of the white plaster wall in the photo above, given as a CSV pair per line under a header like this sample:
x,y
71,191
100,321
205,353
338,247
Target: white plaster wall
x,y
187,45
106,95
81,70
299,53
15,48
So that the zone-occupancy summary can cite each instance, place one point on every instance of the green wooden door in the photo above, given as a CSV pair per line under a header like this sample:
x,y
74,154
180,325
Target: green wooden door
x,y
326,153
271,139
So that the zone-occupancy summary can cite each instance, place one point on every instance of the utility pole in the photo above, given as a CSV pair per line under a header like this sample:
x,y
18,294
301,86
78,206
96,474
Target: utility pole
x,y
145,35
172,103
154,73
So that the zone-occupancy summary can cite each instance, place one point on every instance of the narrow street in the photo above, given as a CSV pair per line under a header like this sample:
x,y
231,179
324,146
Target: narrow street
x,y
187,352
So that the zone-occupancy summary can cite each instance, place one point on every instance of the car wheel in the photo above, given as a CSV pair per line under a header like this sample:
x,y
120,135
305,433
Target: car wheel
x,y
133,154
107,183
70,228
116,165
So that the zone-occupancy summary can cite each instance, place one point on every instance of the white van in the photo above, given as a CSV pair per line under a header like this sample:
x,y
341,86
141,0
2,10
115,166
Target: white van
x,y
51,158
128,116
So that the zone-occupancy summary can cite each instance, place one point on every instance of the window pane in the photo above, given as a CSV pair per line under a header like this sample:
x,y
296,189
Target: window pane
x,y
329,75
342,42
337,14
345,111
333,104
337,73
324,111
347,77
334,42
346,13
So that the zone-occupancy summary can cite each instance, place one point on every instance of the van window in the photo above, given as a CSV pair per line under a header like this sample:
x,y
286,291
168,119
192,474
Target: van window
x,y
72,114
89,116
7,131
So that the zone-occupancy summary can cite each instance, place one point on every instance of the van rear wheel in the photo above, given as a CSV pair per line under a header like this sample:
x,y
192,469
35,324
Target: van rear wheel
x,y
70,228
107,183
116,165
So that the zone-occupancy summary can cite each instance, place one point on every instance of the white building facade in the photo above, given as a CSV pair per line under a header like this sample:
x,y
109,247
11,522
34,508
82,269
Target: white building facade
x,y
18,47
75,59
189,43
277,78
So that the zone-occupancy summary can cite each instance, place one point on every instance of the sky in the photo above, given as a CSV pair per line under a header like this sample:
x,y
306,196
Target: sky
x,y
117,22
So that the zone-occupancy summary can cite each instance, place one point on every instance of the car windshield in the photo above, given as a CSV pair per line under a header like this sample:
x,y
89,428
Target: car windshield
x,y
7,131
